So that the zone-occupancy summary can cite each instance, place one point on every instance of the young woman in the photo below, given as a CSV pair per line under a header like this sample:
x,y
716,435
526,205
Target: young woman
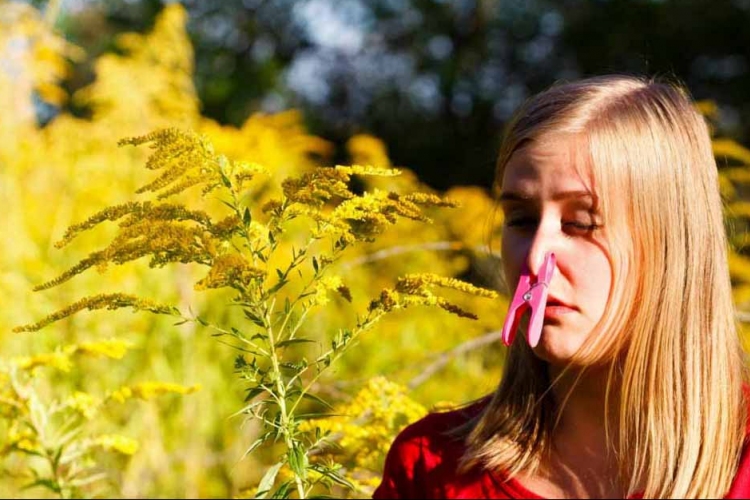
x,y
635,386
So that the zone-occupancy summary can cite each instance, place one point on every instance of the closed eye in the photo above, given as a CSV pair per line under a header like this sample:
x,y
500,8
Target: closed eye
x,y
580,229
582,226
528,222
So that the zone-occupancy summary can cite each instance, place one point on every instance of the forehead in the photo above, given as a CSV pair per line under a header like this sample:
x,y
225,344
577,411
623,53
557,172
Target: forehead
x,y
547,166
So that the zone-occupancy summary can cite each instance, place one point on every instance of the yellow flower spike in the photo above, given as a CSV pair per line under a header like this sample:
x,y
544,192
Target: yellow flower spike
x,y
58,360
427,279
121,394
368,170
84,403
113,348
328,284
150,390
228,270
368,423
116,442
103,301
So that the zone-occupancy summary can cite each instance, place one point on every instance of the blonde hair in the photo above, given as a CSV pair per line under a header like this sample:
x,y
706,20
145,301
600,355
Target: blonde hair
x,y
669,329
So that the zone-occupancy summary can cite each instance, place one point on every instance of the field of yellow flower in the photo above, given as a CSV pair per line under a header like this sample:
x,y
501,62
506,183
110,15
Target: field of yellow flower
x,y
98,401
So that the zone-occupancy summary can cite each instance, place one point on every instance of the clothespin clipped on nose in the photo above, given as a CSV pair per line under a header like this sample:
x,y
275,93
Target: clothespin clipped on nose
x,y
533,296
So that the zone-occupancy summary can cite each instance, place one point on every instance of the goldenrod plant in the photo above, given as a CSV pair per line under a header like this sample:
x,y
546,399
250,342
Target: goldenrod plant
x,y
362,429
274,291
54,433
54,176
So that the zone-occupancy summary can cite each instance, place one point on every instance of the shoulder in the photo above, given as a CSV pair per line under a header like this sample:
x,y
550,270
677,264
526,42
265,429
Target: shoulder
x,y
423,459
434,434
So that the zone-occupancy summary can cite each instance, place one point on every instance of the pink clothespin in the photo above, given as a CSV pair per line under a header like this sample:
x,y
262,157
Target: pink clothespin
x,y
532,296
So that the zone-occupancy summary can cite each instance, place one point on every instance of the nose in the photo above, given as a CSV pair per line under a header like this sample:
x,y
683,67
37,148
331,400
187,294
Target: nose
x,y
542,242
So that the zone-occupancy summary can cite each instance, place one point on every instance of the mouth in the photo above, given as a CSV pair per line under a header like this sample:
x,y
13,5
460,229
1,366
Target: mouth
x,y
555,302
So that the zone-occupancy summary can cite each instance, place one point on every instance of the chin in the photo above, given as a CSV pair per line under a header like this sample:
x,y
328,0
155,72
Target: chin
x,y
558,348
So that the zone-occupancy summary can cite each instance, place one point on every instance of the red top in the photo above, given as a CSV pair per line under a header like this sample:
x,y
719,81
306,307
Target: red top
x,y
423,463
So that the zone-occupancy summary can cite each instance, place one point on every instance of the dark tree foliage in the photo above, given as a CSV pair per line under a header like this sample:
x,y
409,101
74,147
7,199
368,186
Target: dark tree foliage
x,y
437,79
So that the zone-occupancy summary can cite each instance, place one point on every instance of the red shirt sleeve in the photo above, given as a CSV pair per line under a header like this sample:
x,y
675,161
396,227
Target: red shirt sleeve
x,y
423,459
398,473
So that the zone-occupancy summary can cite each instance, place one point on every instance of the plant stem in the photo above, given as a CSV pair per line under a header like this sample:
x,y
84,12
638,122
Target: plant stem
x,y
281,401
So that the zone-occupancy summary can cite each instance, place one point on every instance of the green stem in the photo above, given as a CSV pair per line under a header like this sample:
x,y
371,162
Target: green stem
x,y
281,400
358,331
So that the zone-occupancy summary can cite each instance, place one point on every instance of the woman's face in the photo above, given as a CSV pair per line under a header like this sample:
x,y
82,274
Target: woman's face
x,y
549,207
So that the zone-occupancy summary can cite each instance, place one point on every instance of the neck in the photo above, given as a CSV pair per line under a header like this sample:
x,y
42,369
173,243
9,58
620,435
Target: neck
x,y
582,461
581,398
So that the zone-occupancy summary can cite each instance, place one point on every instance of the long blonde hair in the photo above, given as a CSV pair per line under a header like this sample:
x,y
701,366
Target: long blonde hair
x,y
669,325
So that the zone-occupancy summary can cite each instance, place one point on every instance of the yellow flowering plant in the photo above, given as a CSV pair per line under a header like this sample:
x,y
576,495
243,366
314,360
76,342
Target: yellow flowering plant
x,y
276,278
58,436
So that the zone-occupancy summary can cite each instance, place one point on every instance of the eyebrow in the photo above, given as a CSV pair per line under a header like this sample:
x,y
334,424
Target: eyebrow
x,y
562,195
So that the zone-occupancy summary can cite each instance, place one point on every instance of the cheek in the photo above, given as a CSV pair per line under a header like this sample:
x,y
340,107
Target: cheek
x,y
594,279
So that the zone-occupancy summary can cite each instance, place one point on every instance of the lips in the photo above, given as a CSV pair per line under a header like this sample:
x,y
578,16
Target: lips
x,y
553,301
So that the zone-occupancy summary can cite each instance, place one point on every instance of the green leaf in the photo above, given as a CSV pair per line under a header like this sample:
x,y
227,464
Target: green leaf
x,y
224,179
262,439
315,398
298,462
50,484
284,490
228,204
277,287
333,475
255,319
247,217
316,416
285,343
315,264
240,362
267,481
58,454
253,392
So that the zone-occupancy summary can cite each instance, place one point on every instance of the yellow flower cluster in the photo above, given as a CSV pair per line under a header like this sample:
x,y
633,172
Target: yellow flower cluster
x,y
136,211
103,301
61,359
186,159
317,187
414,283
58,360
112,348
364,217
231,269
279,142
161,62
366,427
22,438
84,403
150,390
326,285
116,442
415,290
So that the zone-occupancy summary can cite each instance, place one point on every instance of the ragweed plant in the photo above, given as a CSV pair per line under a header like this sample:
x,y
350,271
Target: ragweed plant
x,y
276,278
56,437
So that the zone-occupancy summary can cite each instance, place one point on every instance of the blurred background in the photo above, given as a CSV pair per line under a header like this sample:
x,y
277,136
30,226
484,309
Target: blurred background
x,y
424,85
434,79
